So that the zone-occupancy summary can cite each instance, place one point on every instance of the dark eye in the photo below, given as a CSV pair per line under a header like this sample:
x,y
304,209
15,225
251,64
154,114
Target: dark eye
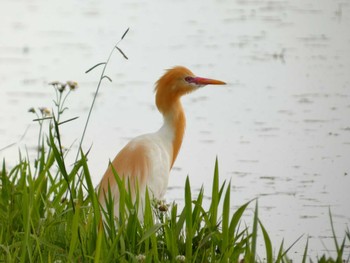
x,y
189,79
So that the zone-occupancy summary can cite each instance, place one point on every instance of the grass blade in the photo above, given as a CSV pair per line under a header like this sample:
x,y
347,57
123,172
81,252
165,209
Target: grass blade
x,y
292,245
215,196
72,119
237,217
254,234
151,231
188,208
121,52
280,253
74,237
333,231
106,77
225,223
268,245
98,64
305,251
91,191
125,33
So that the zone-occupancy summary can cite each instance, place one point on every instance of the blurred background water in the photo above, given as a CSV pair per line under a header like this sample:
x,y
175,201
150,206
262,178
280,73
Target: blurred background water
x,y
280,128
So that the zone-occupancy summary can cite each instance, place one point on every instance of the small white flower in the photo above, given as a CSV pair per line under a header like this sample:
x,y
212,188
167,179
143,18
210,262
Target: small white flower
x,y
180,258
141,258
72,84
45,111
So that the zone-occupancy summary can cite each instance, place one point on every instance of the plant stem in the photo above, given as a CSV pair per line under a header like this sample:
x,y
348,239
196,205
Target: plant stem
x,y
95,96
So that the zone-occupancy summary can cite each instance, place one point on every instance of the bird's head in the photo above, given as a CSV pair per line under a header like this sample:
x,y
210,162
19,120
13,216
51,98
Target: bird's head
x,y
177,82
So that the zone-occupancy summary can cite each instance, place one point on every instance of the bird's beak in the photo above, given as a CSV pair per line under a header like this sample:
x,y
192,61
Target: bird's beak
x,y
205,81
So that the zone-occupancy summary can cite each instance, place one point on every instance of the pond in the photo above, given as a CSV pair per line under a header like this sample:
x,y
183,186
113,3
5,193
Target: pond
x,y
280,128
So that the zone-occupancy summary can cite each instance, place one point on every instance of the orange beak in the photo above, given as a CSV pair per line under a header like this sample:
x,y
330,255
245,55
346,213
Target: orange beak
x,y
205,81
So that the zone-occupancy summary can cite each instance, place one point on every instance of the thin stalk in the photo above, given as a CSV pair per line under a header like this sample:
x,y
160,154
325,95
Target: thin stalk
x,y
97,91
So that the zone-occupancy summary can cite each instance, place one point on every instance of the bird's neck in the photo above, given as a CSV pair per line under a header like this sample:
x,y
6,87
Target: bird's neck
x,y
174,125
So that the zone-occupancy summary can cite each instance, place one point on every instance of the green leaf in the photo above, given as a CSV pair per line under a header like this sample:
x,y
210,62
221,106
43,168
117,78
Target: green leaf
x,y
237,217
91,190
74,237
305,251
197,209
121,52
98,64
188,208
333,231
268,245
99,243
215,195
280,253
225,223
125,33
150,232
254,234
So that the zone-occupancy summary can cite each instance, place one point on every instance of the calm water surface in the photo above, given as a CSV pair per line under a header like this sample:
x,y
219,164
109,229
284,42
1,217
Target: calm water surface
x,y
280,128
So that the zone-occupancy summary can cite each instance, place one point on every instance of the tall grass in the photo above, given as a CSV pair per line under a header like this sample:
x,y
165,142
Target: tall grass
x,y
40,223
47,215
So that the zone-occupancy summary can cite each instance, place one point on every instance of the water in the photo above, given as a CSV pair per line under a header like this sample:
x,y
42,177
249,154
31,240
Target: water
x,y
280,128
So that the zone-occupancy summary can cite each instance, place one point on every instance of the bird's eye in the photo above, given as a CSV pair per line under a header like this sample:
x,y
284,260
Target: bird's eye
x,y
189,79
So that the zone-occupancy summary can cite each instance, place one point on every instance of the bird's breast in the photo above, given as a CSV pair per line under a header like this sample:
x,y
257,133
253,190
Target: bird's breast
x,y
158,153
147,160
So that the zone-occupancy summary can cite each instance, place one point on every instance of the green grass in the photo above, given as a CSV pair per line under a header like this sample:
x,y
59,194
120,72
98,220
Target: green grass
x,y
45,218
49,212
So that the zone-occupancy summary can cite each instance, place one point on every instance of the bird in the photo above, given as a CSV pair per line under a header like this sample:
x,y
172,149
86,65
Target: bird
x,y
146,161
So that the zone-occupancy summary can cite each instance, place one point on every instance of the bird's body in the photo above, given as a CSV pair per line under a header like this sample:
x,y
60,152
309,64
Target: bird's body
x,y
146,160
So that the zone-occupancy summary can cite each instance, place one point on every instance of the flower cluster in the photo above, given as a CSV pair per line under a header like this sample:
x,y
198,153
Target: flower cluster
x,y
161,205
45,112
60,86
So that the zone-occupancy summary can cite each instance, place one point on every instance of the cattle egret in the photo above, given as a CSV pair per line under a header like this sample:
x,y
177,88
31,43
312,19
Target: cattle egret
x,y
146,160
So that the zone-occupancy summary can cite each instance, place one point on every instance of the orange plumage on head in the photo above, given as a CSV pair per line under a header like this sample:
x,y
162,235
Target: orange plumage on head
x,y
171,86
